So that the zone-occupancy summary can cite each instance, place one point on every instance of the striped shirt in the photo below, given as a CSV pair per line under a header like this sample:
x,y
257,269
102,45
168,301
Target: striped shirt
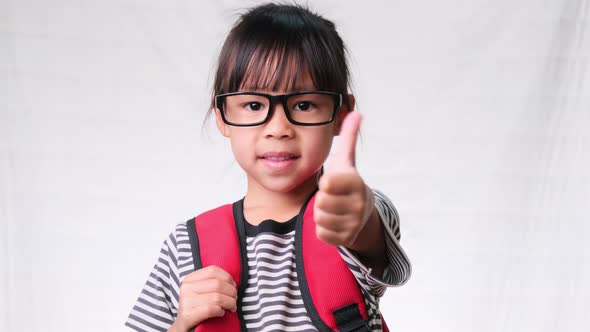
x,y
272,300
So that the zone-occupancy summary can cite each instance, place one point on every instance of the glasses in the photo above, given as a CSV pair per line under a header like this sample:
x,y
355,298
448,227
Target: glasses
x,y
306,108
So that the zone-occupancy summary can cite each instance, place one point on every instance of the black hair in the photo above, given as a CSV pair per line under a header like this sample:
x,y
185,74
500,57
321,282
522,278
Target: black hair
x,y
271,45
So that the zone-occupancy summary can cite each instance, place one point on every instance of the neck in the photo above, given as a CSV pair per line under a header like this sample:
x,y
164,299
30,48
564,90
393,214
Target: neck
x,y
262,203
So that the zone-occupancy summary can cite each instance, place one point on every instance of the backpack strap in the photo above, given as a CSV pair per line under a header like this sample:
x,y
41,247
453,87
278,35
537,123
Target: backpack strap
x,y
193,238
228,253
329,290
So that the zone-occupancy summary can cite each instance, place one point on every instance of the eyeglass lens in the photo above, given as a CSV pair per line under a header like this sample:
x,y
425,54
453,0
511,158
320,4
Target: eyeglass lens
x,y
306,108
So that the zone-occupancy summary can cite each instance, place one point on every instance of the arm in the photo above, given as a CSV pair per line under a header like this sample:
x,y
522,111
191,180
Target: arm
x,y
348,214
397,268
175,297
369,246
154,310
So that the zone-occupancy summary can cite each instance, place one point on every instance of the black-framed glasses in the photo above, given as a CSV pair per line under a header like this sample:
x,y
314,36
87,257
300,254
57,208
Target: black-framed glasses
x,y
304,108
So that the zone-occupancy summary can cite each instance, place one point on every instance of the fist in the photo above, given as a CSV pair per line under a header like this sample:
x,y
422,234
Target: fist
x,y
204,294
343,203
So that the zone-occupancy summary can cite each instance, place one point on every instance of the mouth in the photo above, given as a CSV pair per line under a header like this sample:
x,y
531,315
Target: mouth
x,y
279,161
279,156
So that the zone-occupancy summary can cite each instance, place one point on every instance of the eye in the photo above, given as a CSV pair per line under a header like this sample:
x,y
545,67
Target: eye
x,y
254,106
303,106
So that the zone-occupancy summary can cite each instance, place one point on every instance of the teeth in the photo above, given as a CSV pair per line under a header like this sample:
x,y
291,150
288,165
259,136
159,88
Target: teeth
x,y
279,158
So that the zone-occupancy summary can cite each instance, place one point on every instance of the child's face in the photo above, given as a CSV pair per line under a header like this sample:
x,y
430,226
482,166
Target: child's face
x,y
278,155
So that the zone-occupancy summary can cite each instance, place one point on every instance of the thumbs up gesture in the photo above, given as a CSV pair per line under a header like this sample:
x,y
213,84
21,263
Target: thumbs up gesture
x,y
343,203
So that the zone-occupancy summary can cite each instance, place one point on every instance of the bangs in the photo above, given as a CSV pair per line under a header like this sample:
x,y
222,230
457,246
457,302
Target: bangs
x,y
273,69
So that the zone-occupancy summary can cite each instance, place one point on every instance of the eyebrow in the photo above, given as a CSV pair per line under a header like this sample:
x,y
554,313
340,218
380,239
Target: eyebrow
x,y
296,88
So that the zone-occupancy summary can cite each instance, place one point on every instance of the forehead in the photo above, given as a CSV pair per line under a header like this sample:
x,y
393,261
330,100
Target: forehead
x,y
276,71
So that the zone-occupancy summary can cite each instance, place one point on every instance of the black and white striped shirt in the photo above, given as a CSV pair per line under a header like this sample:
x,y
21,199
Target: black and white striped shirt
x,y
272,300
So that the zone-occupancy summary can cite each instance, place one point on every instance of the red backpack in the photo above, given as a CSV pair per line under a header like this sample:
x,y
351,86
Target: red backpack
x,y
330,292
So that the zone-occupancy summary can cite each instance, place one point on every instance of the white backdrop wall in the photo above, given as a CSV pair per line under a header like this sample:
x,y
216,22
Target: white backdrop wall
x,y
477,118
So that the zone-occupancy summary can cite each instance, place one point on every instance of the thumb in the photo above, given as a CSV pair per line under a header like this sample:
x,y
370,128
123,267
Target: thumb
x,y
345,151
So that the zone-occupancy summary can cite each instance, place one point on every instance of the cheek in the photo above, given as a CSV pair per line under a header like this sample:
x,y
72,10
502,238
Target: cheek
x,y
242,148
318,145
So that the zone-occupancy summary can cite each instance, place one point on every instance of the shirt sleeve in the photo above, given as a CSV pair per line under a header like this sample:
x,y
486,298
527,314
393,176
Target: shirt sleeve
x,y
156,307
398,268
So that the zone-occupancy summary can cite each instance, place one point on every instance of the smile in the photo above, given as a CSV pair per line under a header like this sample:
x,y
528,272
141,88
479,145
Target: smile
x,y
279,158
279,161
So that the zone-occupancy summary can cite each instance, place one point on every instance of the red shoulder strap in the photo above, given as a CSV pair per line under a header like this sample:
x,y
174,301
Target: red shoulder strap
x,y
326,282
331,285
217,234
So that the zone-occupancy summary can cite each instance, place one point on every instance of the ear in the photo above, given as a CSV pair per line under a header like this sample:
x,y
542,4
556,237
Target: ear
x,y
343,113
221,126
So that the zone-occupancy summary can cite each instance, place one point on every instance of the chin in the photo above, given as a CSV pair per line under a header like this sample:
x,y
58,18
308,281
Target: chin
x,y
281,185
284,184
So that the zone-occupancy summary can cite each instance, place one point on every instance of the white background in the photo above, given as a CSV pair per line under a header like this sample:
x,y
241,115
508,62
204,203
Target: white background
x,y
477,118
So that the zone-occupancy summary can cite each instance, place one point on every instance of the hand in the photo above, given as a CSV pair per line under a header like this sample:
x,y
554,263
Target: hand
x,y
343,203
204,294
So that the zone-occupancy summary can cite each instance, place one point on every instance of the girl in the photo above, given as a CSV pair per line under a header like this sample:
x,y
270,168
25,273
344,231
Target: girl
x,y
280,97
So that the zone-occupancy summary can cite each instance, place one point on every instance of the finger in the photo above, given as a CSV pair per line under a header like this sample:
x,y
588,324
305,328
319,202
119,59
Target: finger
x,y
338,204
329,221
345,151
213,286
211,272
222,300
204,312
341,183
330,236
191,315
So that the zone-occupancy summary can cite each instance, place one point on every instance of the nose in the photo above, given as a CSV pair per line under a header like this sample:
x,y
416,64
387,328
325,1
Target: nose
x,y
278,126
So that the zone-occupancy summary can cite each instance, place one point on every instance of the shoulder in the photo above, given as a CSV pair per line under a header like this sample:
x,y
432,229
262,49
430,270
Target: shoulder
x,y
179,233
177,238
176,251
